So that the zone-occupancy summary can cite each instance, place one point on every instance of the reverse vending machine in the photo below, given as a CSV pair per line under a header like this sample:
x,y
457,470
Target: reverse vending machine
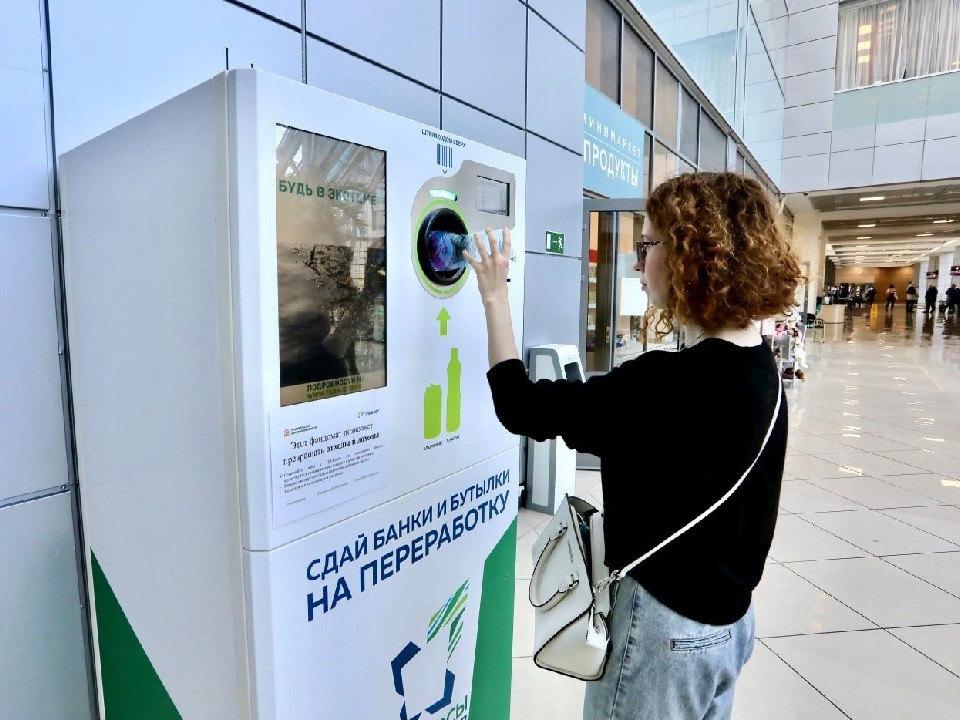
x,y
551,465
297,500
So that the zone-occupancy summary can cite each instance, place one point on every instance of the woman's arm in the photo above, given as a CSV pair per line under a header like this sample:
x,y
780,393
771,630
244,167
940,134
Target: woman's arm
x,y
492,270
545,409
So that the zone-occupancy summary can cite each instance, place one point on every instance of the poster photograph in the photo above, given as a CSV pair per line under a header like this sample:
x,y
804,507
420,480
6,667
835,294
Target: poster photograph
x,y
331,266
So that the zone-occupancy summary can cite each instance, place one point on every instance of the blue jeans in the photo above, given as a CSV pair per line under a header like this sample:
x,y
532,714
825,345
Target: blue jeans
x,y
664,666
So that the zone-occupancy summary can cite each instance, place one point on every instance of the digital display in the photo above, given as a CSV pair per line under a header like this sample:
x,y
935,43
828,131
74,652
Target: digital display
x,y
572,372
331,266
493,196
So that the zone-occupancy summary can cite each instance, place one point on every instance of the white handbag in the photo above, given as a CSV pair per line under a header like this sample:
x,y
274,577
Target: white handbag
x,y
570,586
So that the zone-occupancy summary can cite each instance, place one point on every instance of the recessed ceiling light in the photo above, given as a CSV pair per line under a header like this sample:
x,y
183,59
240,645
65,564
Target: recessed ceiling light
x,y
924,234
867,225
873,198
864,237
940,222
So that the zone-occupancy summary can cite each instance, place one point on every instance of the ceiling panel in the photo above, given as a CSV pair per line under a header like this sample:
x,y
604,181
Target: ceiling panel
x,y
889,225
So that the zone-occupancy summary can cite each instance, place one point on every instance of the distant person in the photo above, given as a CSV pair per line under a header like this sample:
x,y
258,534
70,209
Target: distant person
x,y
912,297
931,300
871,295
891,297
953,299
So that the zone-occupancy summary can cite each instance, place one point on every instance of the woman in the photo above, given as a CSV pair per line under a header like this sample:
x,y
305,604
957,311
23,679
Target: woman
x,y
912,298
891,297
674,432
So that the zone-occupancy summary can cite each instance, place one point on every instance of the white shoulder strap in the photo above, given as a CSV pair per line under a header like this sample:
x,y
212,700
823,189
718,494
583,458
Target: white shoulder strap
x,y
618,573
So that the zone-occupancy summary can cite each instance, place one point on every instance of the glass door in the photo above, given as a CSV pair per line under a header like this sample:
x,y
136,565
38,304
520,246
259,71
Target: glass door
x,y
613,304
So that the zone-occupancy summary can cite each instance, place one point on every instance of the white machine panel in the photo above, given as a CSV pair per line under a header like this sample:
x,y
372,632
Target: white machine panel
x,y
279,375
404,616
393,375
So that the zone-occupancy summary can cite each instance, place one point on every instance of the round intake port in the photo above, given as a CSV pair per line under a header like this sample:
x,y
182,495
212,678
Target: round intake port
x,y
441,220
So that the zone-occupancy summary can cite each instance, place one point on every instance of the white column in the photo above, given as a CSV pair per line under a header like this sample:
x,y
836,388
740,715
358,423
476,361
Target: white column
x,y
923,283
943,278
806,243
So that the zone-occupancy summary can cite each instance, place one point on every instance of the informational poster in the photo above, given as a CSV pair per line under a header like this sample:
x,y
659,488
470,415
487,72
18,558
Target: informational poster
x,y
321,459
331,266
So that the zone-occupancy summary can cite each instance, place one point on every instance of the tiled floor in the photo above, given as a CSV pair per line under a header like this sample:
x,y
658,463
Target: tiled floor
x,y
858,613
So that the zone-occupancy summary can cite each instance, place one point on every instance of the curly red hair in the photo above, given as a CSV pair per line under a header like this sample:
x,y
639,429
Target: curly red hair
x,y
727,259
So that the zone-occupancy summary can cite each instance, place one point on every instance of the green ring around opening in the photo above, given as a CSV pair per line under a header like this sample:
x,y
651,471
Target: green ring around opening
x,y
440,291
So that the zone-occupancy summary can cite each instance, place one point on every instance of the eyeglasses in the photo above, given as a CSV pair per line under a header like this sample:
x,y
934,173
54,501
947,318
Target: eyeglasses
x,y
643,247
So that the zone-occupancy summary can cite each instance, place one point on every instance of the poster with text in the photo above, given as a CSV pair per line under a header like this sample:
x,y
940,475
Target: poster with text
x,y
331,266
321,459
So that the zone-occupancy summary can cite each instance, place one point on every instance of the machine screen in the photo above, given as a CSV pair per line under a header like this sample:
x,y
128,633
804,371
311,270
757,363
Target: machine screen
x,y
331,266
493,196
572,372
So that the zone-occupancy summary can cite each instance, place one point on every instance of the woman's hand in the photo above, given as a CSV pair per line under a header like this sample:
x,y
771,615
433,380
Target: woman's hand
x,y
493,267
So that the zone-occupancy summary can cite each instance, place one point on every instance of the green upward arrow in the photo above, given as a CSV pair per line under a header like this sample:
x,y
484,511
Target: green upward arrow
x,y
444,318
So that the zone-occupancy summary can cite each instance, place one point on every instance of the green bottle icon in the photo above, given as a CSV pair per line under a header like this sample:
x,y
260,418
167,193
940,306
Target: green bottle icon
x,y
432,410
453,391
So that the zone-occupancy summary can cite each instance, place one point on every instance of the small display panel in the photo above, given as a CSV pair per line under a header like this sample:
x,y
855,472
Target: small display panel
x,y
493,196
572,372
331,266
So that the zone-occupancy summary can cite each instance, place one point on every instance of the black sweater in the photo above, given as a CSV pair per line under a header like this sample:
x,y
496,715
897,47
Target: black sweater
x,y
674,431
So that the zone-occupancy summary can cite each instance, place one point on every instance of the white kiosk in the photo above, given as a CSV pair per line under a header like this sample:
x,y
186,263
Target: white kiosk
x,y
551,465
297,499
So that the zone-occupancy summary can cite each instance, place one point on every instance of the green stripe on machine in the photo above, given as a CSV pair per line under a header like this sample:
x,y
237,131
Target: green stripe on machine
x,y
493,659
132,690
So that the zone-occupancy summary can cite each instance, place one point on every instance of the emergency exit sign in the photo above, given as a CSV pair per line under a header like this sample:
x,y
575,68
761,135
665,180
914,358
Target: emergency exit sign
x,y
555,243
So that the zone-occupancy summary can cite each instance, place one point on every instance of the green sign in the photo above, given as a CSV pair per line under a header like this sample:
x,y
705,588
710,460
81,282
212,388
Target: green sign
x,y
555,243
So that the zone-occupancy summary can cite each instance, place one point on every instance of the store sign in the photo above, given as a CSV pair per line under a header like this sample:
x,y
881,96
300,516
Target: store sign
x,y
954,270
612,148
933,274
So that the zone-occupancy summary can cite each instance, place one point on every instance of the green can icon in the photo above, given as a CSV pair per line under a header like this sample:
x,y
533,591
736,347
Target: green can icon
x,y
432,412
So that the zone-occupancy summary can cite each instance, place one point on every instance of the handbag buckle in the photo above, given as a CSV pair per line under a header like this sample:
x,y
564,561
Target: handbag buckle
x,y
607,581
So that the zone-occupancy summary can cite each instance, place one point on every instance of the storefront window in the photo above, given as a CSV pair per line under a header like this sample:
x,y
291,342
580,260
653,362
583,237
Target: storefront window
x,y
637,78
667,105
713,145
689,124
600,291
664,164
616,302
630,304
647,148
603,48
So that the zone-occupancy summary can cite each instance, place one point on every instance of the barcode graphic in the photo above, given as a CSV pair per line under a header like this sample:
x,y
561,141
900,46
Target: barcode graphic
x,y
444,156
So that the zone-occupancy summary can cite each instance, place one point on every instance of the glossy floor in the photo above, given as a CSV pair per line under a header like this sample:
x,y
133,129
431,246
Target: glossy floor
x,y
858,613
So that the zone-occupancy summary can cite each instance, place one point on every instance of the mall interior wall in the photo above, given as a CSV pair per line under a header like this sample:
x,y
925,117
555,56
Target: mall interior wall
x,y
899,277
43,654
498,72
807,62
856,275
895,130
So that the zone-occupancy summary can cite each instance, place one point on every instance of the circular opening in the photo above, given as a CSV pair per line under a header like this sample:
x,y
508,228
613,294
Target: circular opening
x,y
446,220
